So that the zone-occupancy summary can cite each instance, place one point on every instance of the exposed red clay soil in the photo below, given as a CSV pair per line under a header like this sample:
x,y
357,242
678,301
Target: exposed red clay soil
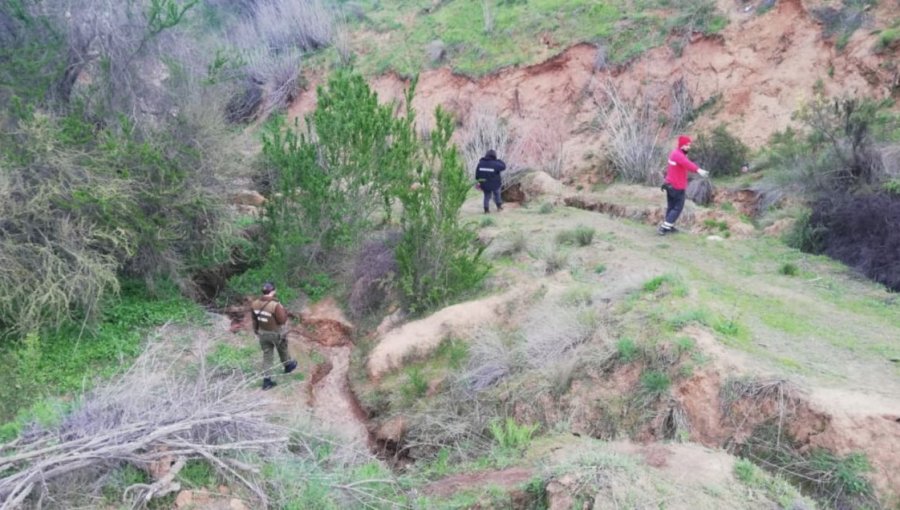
x,y
507,479
763,67
837,421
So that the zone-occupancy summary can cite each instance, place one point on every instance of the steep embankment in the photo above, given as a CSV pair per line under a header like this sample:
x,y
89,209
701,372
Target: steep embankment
x,y
813,354
760,67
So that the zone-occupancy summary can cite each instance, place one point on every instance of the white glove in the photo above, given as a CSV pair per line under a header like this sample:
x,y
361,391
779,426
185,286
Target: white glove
x,y
702,172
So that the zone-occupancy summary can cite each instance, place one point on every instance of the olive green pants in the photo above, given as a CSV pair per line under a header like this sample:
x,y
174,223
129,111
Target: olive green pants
x,y
270,341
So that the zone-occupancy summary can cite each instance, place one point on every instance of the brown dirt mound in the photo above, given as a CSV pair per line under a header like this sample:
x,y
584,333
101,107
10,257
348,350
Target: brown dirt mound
x,y
421,337
507,479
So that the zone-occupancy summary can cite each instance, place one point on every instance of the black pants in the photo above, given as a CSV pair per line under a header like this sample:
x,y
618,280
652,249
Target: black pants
x,y
674,204
487,198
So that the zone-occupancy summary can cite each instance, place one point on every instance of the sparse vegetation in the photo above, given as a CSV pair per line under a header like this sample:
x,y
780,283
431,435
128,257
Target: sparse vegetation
x,y
627,349
580,236
789,269
510,435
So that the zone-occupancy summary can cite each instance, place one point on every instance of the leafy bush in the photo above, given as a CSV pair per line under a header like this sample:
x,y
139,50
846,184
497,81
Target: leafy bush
x,y
330,180
437,258
654,383
719,152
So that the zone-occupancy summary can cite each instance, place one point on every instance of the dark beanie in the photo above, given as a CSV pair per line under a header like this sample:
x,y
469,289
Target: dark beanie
x,y
491,154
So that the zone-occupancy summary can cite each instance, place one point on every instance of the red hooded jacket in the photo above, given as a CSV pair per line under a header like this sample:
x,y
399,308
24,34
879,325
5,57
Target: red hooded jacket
x,y
680,165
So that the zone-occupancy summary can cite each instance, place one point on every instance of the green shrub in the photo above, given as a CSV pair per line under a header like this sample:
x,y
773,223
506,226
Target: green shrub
x,y
671,282
887,37
454,351
331,178
580,236
654,383
805,236
438,259
546,208
230,357
685,344
197,474
892,186
415,386
719,152
600,268
627,349
584,236
486,221
510,435
789,269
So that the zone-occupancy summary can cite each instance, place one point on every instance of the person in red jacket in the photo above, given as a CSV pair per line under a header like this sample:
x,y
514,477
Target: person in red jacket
x,y
676,183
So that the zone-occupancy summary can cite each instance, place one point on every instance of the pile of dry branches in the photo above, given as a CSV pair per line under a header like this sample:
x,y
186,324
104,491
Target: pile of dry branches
x,y
152,420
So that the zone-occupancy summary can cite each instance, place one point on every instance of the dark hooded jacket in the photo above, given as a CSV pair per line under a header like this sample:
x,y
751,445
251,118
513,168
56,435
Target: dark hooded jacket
x,y
488,172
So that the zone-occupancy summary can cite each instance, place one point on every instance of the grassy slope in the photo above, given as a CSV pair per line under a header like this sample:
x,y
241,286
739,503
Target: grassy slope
x,y
393,35
825,324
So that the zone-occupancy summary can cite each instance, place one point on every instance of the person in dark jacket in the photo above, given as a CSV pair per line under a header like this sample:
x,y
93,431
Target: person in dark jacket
x,y
676,183
487,173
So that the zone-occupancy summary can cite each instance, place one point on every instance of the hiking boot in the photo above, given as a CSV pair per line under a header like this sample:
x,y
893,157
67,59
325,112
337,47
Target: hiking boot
x,y
499,207
486,210
662,231
290,366
268,383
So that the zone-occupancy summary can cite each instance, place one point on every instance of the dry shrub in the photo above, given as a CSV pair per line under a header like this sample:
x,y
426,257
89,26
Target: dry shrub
x,y
373,271
285,24
485,130
541,147
154,418
547,341
552,331
682,108
491,358
634,134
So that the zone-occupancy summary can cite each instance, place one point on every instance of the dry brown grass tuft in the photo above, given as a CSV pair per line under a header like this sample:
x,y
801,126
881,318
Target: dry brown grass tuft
x,y
153,416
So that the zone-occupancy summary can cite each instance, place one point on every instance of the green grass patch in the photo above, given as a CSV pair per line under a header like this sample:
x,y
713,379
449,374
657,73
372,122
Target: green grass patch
x,y
70,360
672,283
415,385
197,474
789,269
231,357
627,349
578,236
654,382
510,435
693,316
452,351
